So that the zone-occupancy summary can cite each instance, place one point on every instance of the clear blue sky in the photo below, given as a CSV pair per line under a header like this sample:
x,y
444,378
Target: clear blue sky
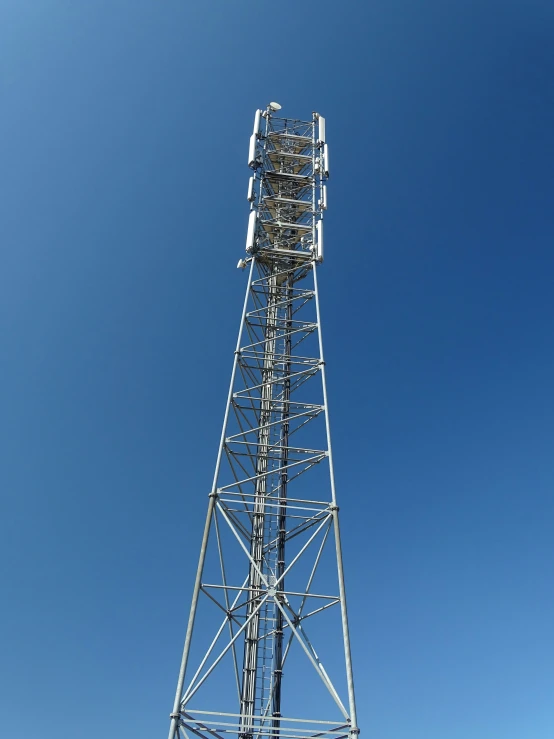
x,y
123,136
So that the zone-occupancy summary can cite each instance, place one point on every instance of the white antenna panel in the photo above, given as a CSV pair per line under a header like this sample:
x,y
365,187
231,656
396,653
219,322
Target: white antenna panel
x,y
324,197
319,228
326,160
252,151
250,195
251,233
321,138
257,122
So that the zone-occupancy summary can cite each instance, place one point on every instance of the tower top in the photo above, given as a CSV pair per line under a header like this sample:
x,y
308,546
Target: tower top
x,y
288,191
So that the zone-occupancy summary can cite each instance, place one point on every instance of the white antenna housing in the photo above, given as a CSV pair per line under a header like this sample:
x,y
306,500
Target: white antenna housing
x,y
326,160
324,197
321,139
251,233
251,196
257,118
319,230
252,151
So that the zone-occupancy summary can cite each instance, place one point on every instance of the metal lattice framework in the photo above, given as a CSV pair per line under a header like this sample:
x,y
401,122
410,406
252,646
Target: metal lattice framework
x,y
272,515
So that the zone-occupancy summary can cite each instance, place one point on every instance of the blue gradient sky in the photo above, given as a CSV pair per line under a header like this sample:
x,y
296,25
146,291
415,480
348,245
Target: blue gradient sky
x,y
123,137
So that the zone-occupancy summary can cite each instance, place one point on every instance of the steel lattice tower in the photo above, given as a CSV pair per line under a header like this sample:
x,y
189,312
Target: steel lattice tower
x,y
272,512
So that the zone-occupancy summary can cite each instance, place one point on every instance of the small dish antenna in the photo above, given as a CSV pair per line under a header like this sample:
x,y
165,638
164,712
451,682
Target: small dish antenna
x,y
274,106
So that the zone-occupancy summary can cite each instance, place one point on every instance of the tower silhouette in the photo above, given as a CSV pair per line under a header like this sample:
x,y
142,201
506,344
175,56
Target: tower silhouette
x,y
271,547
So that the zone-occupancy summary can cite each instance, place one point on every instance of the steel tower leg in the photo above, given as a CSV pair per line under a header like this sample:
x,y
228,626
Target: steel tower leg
x,y
173,728
282,521
338,547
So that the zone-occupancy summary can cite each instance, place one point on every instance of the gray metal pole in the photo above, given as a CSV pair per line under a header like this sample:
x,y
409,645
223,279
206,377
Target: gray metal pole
x,y
192,616
324,384
345,631
211,504
335,511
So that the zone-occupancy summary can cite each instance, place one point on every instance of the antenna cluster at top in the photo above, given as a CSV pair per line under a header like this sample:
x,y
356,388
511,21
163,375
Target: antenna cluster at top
x,y
287,191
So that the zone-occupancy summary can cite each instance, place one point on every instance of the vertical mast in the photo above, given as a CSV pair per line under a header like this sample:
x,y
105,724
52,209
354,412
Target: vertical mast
x,y
275,431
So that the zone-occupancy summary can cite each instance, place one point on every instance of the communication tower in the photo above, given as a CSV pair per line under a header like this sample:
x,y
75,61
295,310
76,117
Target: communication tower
x,y
271,548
